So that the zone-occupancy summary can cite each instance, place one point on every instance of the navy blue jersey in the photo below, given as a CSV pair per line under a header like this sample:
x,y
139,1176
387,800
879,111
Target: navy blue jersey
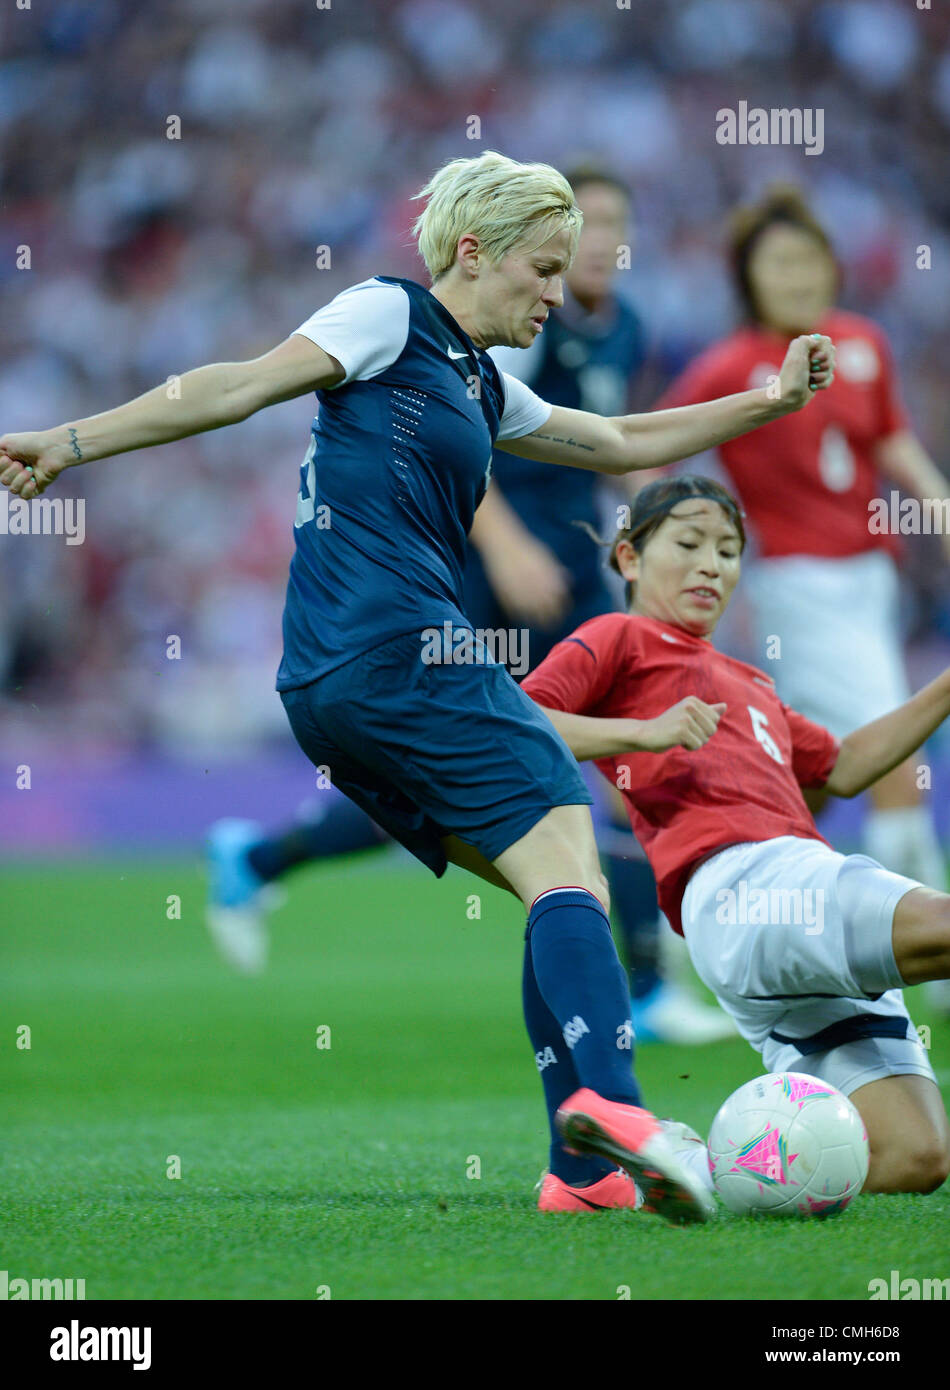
x,y
399,459
583,361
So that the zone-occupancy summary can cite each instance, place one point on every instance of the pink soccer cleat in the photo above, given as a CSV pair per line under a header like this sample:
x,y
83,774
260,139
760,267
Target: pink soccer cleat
x,y
635,1139
616,1189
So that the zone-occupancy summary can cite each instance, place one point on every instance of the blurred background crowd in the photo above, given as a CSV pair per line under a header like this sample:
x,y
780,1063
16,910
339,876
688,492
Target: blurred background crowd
x,y
306,127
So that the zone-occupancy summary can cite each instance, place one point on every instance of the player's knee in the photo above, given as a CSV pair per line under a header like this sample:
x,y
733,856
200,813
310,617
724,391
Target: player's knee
x,y
941,914
922,936
934,1166
921,1168
927,1169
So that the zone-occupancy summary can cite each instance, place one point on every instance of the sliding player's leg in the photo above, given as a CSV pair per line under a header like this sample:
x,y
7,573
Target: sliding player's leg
x,y
921,936
883,1069
820,992
908,1133
904,1116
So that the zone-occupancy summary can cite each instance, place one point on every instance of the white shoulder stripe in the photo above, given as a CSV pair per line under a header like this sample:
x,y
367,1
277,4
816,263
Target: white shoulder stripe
x,y
365,328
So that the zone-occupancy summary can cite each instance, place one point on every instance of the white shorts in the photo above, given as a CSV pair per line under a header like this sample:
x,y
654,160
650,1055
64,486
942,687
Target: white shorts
x,y
840,661
794,940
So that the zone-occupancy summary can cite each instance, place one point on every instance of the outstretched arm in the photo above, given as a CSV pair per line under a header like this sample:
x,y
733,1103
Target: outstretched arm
x,y
873,750
203,399
626,442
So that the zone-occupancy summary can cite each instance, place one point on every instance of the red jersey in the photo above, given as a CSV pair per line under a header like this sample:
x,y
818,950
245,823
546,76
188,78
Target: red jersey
x,y
744,784
805,481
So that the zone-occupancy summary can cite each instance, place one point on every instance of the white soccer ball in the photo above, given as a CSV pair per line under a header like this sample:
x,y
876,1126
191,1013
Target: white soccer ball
x,y
788,1144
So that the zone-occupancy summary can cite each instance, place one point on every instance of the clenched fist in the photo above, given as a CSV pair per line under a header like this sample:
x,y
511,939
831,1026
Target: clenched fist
x,y
689,724
30,462
809,366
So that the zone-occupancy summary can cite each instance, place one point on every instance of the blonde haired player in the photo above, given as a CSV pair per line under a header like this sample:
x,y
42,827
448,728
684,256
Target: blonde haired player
x,y
441,747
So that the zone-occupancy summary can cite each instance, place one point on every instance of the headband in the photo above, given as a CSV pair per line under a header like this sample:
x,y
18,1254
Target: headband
x,y
668,503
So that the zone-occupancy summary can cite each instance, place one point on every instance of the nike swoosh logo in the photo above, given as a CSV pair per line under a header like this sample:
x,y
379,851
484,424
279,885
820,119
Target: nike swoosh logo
x,y
456,354
594,1206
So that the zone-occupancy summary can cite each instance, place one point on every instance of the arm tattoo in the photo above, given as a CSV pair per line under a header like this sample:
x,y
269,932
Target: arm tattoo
x,y
74,441
571,443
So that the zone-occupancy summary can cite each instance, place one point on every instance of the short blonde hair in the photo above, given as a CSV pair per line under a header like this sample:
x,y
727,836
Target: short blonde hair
x,y
498,200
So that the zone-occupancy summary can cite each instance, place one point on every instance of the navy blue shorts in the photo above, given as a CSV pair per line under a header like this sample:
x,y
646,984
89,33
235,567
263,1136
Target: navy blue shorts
x,y
434,749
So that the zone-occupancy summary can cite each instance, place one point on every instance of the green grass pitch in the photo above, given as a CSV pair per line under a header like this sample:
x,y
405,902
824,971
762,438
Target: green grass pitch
x,y
397,1162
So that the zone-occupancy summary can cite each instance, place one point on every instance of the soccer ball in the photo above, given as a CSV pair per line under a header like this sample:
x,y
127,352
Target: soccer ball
x,y
788,1145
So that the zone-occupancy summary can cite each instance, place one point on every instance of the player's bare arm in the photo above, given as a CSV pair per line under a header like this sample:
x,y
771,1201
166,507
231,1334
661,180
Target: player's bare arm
x,y
623,443
689,724
873,750
205,398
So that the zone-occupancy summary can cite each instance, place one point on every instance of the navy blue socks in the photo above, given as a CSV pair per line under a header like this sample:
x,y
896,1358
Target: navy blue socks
x,y
553,1059
581,981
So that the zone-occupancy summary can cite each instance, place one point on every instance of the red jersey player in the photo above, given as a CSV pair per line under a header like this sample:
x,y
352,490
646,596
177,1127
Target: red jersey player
x,y
807,949
823,590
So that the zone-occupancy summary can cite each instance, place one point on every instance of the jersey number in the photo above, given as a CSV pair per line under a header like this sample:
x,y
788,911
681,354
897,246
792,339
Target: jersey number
x,y
308,474
835,461
760,727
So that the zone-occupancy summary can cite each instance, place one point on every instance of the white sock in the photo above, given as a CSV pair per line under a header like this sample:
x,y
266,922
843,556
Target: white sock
x,y
904,840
